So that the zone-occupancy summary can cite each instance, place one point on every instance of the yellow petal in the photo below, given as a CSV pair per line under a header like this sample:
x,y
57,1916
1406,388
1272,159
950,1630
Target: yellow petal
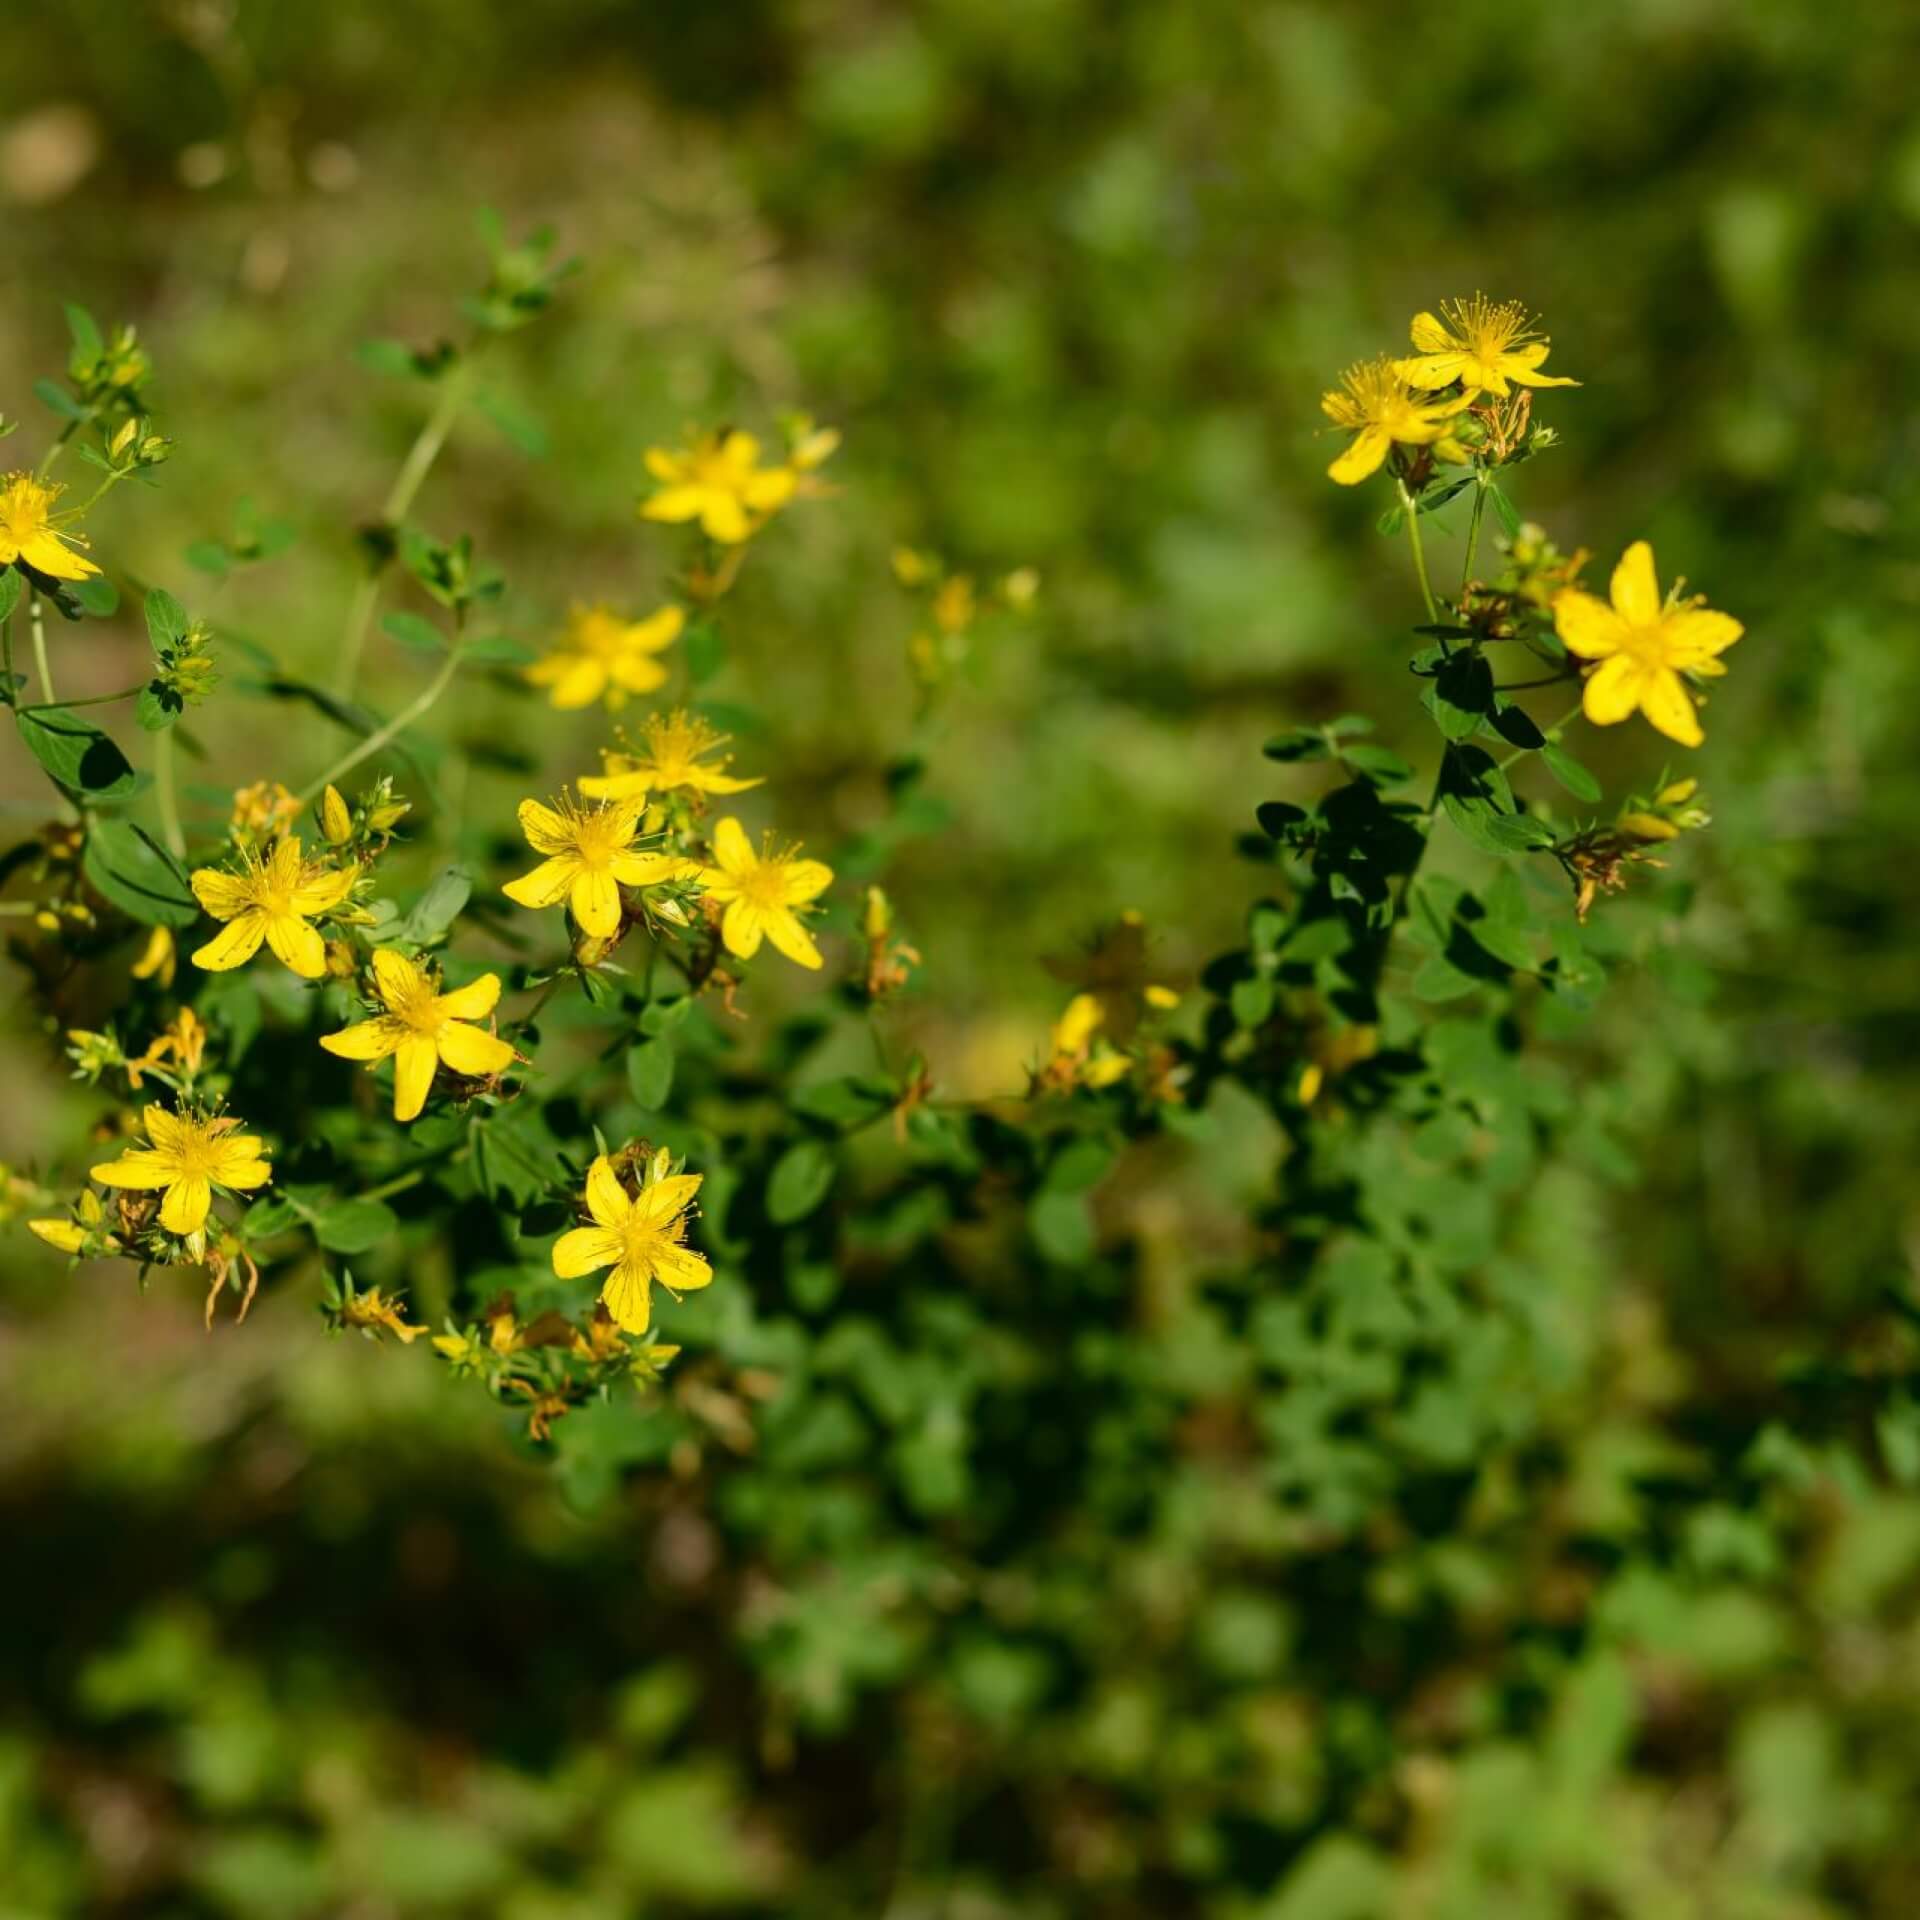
x,y
595,900
369,1040
49,554
635,673
324,892
297,945
234,945
628,1294
1429,333
681,1270
723,518
1664,701
606,1198
773,488
1636,592
804,880
222,894
1613,690
244,1174
139,1169
169,1132
398,980
1698,634
579,680
585,1250
1362,457
674,504
414,1061
68,1235
617,786
1587,625
731,847
469,1050
659,1202
657,630
184,1210
649,869
474,1001
547,885
791,938
742,927
546,831
1428,371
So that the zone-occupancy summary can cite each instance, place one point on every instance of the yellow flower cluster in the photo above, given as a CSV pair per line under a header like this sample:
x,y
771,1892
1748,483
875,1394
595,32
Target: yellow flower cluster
x,y
1463,396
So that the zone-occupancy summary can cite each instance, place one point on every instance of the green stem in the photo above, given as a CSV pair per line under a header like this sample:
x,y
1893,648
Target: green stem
x,y
1473,529
398,724
165,795
92,700
40,654
400,498
1419,552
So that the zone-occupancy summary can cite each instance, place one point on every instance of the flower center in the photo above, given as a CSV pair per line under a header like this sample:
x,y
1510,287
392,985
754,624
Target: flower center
x,y
1646,646
597,837
764,884
23,509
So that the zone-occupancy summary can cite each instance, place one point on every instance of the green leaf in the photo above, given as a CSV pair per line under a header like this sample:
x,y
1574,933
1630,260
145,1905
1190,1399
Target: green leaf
x,y
167,621
1461,695
97,596
127,866
391,357
799,1181
1079,1165
854,1101
1380,765
85,331
1569,772
10,588
53,396
436,909
208,556
650,1073
1509,514
412,630
1279,817
1517,727
1062,1226
355,1226
519,426
158,707
499,649
78,755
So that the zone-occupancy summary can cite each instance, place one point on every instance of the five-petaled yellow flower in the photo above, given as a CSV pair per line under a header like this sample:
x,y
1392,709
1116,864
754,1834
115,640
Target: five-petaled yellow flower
x,y
590,857
271,898
719,481
1481,343
605,657
190,1154
676,744
639,1239
1380,410
760,891
421,1028
27,532
1644,644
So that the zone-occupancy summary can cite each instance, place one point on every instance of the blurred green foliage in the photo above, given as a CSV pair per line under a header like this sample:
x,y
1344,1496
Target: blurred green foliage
x,y
1629,1629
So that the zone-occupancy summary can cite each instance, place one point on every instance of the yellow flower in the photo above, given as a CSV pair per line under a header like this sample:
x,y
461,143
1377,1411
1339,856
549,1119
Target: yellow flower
x,y
675,746
156,957
184,1042
1483,344
719,481
639,1239
760,891
27,532
590,857
262,810
1644,645
604,656
190,1154
271,898
423,1027
1381,410
372,1312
